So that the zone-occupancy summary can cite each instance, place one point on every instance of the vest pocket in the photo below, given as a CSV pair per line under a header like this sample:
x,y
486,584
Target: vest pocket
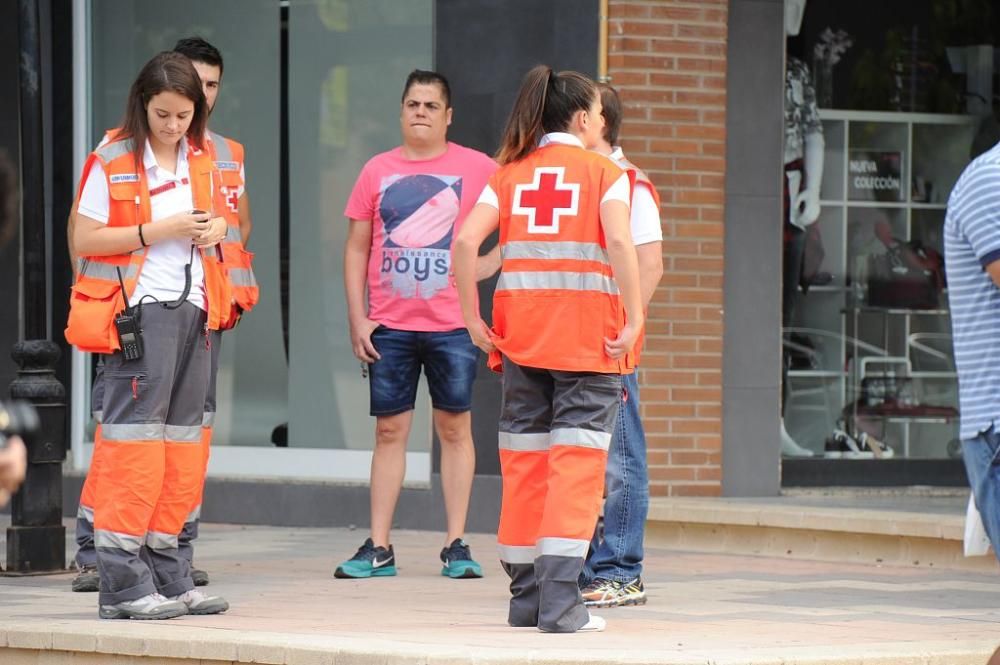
x,y
92,309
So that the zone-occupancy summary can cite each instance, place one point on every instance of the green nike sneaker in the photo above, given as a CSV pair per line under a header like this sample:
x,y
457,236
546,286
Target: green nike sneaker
x,y
369,561
458,561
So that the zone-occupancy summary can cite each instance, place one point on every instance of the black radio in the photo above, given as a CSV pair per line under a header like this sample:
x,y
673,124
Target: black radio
x,y
128,328
129,334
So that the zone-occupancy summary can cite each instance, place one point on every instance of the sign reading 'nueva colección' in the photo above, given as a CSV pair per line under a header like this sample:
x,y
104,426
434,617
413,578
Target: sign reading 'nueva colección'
x,y
874,175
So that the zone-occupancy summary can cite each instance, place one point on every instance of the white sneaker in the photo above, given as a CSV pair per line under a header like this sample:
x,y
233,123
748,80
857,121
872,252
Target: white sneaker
x,y
198,603
596,624
150,606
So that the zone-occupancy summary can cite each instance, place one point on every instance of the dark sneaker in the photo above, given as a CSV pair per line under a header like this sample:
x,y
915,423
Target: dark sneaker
x,y
151,606
87,579
458,562
369,561
841,445
609,593
200,577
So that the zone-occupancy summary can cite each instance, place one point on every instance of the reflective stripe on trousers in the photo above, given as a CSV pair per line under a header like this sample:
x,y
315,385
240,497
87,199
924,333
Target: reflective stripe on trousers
x,y
152,460
552,463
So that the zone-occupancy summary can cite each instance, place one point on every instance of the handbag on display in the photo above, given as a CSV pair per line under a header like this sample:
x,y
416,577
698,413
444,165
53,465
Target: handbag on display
x,y
907,275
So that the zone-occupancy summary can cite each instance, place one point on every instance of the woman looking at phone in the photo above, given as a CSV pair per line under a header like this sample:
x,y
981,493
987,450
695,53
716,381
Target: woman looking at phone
x,y
150,287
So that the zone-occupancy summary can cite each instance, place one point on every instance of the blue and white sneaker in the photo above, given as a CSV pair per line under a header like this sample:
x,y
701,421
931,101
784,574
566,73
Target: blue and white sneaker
x,y
369,561
458,562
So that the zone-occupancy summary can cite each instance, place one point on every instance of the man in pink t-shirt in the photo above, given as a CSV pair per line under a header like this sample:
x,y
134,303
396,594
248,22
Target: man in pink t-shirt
x,y
405,210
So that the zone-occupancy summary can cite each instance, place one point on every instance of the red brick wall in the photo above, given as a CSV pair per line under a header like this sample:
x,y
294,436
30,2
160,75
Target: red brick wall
x,y
668,60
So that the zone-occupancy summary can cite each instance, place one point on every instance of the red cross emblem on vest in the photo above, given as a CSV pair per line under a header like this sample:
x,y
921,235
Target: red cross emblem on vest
x,y
546,199
233,200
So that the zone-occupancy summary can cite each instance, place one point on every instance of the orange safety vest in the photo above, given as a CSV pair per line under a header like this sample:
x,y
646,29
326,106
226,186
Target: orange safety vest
x,y
96,296
227,157
637,175
556,299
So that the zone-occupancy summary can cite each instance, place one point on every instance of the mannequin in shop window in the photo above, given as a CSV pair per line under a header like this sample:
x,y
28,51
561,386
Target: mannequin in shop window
x,y
803,173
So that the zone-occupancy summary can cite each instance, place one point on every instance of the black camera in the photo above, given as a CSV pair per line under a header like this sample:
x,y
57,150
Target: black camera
x,y
17,418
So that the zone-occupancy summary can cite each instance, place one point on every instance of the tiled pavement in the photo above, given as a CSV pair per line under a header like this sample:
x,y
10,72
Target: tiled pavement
x,y
703,608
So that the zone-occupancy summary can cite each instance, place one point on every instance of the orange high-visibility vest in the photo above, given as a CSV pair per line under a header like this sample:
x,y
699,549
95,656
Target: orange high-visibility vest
x,y
637,175
227,157
96,296
556,299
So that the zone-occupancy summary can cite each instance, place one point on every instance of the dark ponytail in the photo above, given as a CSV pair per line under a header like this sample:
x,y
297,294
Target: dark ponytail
x,y
545,103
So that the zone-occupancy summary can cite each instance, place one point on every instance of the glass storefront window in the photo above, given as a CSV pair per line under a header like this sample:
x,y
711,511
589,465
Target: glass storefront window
x,y
868,352
346,63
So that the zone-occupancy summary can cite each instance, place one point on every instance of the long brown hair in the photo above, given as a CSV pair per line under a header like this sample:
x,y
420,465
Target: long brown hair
x,y
545,103
167,71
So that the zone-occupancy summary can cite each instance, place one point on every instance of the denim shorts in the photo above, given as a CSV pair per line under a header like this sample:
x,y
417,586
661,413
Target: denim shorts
x,y
449,360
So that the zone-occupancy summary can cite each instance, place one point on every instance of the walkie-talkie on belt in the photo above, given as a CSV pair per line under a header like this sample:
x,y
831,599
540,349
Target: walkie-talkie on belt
x,y
127,326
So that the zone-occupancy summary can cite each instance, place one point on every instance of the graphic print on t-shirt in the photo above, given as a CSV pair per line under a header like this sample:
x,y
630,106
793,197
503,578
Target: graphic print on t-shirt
x,y
418,214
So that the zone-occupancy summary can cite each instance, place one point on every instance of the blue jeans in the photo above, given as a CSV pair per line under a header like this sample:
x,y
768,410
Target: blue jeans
x,y
982,465
618,556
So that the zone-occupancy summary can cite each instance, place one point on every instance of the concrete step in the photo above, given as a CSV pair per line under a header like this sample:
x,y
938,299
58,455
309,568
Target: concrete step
x,y
921,528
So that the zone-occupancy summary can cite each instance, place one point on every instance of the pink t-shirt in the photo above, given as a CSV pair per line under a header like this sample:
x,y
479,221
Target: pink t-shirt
x,y
416,208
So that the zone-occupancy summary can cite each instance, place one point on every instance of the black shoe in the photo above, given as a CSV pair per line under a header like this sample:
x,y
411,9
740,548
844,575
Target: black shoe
x,y
368,561
88,579
458,561
200,577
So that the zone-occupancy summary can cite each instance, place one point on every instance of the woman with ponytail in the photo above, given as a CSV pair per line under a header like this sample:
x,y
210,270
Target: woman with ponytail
x,y
566,313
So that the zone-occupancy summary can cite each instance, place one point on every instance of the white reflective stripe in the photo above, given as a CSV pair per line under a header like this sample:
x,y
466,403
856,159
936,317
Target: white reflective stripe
x,y
233,234
531,249
562,547
161,541
516,553
182,433
194,515
585,438
85,513
110,151
241,277
524,441
108,272
209,251
121,541
220,147
208,419
137,432
98,415
565,280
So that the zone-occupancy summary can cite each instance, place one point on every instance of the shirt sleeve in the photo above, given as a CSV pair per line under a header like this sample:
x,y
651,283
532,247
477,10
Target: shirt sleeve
x,y
243,179
645,216
361,203
619,191
980,216
95,198
489,197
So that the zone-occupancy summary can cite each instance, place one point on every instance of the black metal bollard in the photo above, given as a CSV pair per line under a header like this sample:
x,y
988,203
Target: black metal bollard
x,y
36,539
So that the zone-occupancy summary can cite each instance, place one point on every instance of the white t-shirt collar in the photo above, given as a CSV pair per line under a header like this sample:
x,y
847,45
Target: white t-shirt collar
x,y
564,138
149,161
617,154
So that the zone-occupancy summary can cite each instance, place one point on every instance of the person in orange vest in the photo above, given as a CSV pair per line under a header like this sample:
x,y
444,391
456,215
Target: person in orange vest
x,y
566,314
232,201
612,574
150,288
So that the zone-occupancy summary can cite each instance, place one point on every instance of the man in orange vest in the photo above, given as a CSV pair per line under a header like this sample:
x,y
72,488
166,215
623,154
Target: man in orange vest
x,y
232,203
611,576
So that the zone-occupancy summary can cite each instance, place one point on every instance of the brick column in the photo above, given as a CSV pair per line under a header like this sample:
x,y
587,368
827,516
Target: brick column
x,y
667,58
